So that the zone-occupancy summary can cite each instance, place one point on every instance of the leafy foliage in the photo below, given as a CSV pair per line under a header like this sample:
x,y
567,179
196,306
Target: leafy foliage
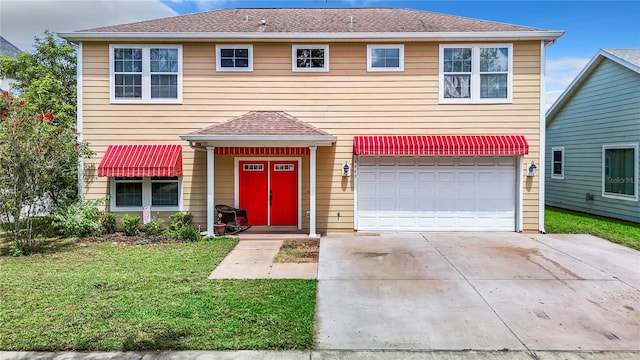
x,y
179,220
79,219
46,80
130,225
108,221
189,233
36,152
153,227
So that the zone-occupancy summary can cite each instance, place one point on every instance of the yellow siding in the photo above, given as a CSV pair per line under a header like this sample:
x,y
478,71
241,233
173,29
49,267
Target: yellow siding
x,y
346,101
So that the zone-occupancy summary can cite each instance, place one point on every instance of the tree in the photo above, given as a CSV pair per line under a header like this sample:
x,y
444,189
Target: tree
x,y
36,151
46,80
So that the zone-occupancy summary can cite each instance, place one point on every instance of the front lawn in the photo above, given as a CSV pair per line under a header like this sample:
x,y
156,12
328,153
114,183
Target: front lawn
x,y
107,297
572,222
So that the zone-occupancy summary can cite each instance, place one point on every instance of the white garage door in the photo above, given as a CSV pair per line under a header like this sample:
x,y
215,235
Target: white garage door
x,y
447,193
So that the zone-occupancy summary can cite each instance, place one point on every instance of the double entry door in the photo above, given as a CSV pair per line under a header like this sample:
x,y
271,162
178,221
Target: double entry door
x,y
268,189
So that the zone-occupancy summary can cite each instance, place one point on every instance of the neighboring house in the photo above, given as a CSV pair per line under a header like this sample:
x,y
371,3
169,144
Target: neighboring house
x,y
593,135
7,48
318,119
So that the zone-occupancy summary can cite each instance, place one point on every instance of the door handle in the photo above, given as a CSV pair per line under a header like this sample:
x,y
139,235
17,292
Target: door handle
x,y
270,197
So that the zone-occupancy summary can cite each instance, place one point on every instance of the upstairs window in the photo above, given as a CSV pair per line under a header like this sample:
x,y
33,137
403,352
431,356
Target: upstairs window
x,y
476,73
234,57
620,171
385,58
557,154
146,73
310,58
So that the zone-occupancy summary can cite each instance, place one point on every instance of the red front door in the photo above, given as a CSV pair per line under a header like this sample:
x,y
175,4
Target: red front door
x,y
269,192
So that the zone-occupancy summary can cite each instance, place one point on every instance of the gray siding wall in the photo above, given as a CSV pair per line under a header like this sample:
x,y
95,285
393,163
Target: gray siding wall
x,y
604,110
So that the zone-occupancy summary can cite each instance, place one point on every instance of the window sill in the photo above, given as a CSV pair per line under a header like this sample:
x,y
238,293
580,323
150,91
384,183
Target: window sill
x,y
158,101
620,197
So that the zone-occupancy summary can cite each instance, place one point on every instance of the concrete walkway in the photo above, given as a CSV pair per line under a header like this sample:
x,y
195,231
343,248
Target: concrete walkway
x,y
479,291
320,355
253,259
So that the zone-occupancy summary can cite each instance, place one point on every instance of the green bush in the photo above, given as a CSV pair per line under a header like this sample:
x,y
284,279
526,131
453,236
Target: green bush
x,y
108,222
188,233
153,227
79,219
179,220
130,225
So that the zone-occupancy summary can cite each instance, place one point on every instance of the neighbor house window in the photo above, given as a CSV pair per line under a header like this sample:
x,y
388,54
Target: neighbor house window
x,y
476,73
132,193
620,171
146,73
557,162
234,57
311,58
385,57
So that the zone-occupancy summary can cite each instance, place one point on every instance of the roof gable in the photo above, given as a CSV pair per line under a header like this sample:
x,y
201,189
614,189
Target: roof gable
x,y
629,58
261,123
7,48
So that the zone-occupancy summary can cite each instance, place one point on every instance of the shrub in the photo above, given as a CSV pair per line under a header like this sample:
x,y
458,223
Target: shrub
x,y
153,227
189,233
179,220
79,219
108,222
130,225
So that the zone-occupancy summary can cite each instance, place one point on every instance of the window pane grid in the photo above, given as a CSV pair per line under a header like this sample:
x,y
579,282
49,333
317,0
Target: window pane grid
x,y
385,58
475,72
234,58
310,58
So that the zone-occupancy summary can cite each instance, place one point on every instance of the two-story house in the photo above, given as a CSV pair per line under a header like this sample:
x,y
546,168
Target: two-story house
x,y
368,119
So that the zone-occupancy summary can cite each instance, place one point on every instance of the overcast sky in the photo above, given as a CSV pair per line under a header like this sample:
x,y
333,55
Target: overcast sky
x,y
589,25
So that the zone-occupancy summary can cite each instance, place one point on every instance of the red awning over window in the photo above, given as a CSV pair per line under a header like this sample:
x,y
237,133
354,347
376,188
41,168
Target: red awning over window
x,y
141,160
441,145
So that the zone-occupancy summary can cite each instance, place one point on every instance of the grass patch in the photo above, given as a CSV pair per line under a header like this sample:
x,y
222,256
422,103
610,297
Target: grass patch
x,y
114,297
298,251
572,222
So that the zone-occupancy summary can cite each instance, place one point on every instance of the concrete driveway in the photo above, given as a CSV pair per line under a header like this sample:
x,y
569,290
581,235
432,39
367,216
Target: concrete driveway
x,y
480,291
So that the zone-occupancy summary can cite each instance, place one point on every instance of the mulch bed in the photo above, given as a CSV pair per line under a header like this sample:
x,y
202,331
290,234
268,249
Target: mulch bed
x,y
132,240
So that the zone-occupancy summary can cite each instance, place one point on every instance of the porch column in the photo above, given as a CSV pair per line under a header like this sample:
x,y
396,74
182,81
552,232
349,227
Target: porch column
x,y
312,192
210,204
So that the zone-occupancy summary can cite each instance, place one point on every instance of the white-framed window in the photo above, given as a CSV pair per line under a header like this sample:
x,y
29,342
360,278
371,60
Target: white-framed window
x,y
557,162
234,57
620,171
476,73
310,58
385,57
133,193
145,73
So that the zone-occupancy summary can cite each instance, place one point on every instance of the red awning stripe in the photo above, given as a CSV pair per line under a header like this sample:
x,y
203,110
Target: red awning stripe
x,y
141,160
261,151
441,145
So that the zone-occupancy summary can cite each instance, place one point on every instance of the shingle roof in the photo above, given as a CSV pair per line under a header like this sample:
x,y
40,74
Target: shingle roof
x,y
314,20
261,123
7,48
631,56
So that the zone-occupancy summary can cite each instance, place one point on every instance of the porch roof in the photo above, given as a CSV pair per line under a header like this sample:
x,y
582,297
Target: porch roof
x,y
261,129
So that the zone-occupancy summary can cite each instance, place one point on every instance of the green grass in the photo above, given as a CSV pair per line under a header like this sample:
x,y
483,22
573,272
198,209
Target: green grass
x,y
572,222
108,297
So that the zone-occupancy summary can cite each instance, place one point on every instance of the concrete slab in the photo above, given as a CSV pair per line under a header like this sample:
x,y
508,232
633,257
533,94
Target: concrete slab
x,y
406,314
294,271
387,256
478,291
617,261
509,256
567,314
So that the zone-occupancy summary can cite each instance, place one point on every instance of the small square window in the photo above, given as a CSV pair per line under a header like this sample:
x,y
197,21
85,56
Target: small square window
x,y
385,58
310,58
234,57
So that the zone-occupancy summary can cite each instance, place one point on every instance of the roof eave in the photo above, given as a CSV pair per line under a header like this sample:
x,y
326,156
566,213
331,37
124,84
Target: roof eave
x,y
283,36
581,77
262,140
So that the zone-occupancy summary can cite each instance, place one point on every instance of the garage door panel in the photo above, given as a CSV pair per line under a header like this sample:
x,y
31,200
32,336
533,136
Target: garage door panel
x,y
436,193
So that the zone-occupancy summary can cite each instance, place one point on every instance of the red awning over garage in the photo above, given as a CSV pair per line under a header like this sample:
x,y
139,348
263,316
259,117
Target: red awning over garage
x,y
433,145
141,160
